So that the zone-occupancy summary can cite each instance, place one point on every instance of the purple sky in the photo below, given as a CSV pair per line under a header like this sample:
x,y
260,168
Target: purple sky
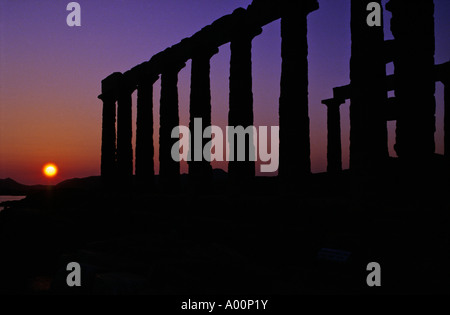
x,y
50,73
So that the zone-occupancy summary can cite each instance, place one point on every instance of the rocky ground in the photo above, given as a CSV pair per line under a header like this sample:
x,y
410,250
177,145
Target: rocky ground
x,y
257,238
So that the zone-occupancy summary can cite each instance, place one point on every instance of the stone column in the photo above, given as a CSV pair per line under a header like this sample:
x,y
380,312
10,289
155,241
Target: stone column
x,y
447,121
293,109
241,102
442,74
124,134
108,158
334,147
368,127
145,171
108,149
200,108
413,28
169,170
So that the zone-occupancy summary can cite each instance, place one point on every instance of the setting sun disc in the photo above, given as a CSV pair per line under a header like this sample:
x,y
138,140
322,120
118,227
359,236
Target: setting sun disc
x,y
50,170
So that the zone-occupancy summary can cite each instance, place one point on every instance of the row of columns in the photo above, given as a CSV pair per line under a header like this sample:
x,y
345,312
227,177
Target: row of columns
x,y
368,132
117,158
391,113
413,54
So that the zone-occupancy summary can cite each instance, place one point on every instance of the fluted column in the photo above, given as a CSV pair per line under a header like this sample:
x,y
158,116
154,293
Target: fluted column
x,y
293,111
124,134
413,28
169,169
241,102
200,108
334,147
368,127
144,132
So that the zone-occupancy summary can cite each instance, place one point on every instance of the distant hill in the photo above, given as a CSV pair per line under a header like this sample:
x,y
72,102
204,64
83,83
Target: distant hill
x,y
9,186
86,183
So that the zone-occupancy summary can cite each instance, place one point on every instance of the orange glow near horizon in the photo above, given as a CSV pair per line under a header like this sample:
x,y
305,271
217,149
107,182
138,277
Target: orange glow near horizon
x,y
50,170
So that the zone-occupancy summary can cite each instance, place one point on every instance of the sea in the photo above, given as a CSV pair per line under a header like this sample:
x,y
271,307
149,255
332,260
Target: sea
x,y
9,198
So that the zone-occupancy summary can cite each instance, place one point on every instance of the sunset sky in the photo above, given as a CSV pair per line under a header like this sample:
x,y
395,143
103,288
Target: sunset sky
x,y
50,74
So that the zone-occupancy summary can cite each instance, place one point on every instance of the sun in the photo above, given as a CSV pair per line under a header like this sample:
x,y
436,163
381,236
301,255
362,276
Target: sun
x,y
50,170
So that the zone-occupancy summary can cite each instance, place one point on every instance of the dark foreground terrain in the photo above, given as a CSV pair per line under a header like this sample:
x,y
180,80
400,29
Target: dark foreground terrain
x,y
262,237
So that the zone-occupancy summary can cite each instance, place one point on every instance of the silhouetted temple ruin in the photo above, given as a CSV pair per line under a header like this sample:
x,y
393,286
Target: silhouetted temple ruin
x,y
412,52
238,29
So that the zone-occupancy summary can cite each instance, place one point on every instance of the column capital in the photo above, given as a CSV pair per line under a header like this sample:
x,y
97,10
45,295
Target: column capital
x,y
174,67
442,73
204,52
107,97
127,84
148,79
342,92
333,102
289,7
110,85
244,27
247,34
203,44
174,58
